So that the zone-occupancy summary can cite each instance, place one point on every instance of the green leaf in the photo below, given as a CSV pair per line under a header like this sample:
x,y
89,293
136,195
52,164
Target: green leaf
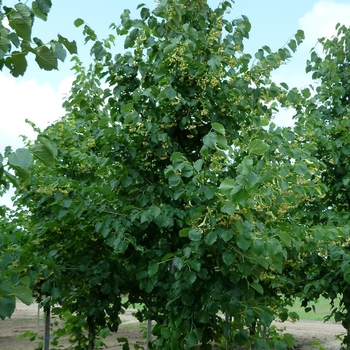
x,y
4,41
258,287
347,275
170,93
292,45
44,6
37,12
228,257
24,294
285,238
227,184
215,61
22,159
58,50
280,345
178,263
19,63
210,139
258,147
153,268
21,20
45,58
198,165
79,22
229,208
299,36
243,242
45,152
184,232
194,234
210,238
7,306
160,11
71,46
218,128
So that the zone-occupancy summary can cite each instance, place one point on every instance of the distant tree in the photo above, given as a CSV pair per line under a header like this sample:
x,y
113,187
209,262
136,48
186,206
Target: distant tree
x,y
326,123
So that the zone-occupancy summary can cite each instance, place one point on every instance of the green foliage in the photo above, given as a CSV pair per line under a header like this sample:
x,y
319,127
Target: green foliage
x,y
171,184
167,180
325,122
13,264
16,39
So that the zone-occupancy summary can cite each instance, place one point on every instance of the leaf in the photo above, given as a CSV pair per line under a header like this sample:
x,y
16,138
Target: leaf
x,y
19,63
24,294
215,61
243,242
45,152
22,159
209,140
58,50
79,22
229,208
218,128
160,11
258,147
170,93
285,238
4,41
292,45
184,232
257,287
21,20
37,11
178,263
71,46
347,275
198,165
42,6
45,58
7,306
228,257
153,268
210,238
227,184
194,234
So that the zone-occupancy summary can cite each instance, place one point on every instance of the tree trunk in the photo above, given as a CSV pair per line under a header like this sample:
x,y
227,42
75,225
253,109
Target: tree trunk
x,y
47,311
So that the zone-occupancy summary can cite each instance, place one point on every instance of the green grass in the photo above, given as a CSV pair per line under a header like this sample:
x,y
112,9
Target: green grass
x,y
322,309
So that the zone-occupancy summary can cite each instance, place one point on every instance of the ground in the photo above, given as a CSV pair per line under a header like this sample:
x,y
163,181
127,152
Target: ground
x,y
306,333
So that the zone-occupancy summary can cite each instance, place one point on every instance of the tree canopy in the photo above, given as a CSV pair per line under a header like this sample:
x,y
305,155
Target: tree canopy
x,y
167,181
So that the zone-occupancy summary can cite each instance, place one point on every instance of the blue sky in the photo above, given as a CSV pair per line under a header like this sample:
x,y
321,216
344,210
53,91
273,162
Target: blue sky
x,y
38,95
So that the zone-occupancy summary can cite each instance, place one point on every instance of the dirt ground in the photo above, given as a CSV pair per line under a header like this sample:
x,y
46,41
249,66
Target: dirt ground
x,y
306,333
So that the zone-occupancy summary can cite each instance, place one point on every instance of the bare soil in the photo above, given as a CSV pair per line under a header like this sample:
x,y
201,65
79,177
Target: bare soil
x,y
309,335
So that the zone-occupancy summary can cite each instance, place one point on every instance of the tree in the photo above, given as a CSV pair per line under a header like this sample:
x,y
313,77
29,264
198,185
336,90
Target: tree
x,y
16,42
177,170
325,121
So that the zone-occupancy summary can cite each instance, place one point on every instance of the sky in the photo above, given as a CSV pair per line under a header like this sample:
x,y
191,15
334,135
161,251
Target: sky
x,y
39,94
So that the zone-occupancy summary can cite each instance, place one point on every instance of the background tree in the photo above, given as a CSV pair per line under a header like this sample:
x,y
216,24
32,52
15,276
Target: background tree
x,y
325,121
16,42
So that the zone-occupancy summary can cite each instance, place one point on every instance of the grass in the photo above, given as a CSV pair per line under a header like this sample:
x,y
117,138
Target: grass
x,y
322,309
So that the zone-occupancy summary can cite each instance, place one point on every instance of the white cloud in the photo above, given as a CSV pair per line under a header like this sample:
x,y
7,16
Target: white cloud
x,y
322,19
27,100
22,100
